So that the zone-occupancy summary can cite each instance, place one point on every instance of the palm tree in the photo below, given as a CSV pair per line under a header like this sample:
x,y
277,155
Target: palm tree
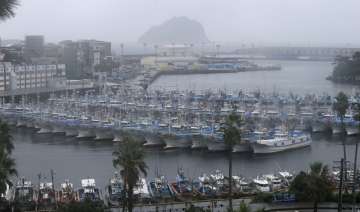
x,y
129,158
315,185
7,8
7,164
340,106
7,170
5,138
232,135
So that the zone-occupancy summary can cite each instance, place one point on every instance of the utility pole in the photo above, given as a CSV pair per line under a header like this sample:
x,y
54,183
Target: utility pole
x,y
355,178
38,195
52,173
341,185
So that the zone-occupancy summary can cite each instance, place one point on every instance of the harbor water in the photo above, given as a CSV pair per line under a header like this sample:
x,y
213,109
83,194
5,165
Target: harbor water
x,y
299,77
75,159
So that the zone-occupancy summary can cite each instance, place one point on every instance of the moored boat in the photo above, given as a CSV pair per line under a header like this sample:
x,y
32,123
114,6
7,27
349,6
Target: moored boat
x,y
24,195
159,188
115,191
66,194
261,184
182,187
89,191
281,142
46,196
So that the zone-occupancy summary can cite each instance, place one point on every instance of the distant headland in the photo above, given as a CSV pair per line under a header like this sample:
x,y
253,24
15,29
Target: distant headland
x,y
175,30
347,69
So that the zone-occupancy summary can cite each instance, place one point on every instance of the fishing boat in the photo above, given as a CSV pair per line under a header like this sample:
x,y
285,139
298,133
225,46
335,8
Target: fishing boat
x,y
216,143
115,191
336,126
45,127
281,142
153,135
66,194
199,140
204,186
141,191
274,181
24,196
241,184
261,184
118,131
182,187
177,137
89,191
286,177
71,126
218,181
46,196
159,188
352,126
86,128
104,131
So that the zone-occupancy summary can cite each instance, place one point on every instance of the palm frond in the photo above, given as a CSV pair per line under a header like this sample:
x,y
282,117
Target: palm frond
x,y
7,8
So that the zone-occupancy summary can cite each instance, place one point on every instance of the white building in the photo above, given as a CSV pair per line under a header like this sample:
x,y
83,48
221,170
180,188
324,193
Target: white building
x,y
14,77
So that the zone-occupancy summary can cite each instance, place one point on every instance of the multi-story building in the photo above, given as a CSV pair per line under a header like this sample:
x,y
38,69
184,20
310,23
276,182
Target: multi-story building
x,y
81,57
13,77
34,46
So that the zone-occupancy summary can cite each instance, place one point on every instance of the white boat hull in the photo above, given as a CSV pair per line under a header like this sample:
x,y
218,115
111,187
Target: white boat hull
x,y
265,149
352,130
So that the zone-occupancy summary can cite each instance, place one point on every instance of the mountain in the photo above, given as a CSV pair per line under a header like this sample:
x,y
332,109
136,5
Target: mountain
x,y
176,30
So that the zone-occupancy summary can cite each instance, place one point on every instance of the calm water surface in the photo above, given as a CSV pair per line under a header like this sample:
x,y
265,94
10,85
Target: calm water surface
x,y
296,76
73,159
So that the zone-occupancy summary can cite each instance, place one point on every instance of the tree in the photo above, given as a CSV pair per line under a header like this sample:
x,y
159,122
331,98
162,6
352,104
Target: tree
x,y
5,138
7,164
232,135
314,186
129,158
244,208
7,8
346,68
340,106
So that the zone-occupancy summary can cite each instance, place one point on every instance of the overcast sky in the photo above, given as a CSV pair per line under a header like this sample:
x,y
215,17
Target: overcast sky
x,y
308,22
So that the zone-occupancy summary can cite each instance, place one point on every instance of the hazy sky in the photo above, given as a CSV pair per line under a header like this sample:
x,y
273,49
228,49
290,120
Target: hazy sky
x,y
309,22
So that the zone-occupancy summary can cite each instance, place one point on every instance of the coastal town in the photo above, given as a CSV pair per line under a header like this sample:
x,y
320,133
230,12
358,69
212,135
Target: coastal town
x,y
174,121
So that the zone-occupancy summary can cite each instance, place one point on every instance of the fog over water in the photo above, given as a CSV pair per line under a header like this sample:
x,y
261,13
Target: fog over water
x,y
298,22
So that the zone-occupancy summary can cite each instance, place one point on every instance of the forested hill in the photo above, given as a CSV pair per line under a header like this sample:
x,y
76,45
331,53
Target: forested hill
x,y
347,69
